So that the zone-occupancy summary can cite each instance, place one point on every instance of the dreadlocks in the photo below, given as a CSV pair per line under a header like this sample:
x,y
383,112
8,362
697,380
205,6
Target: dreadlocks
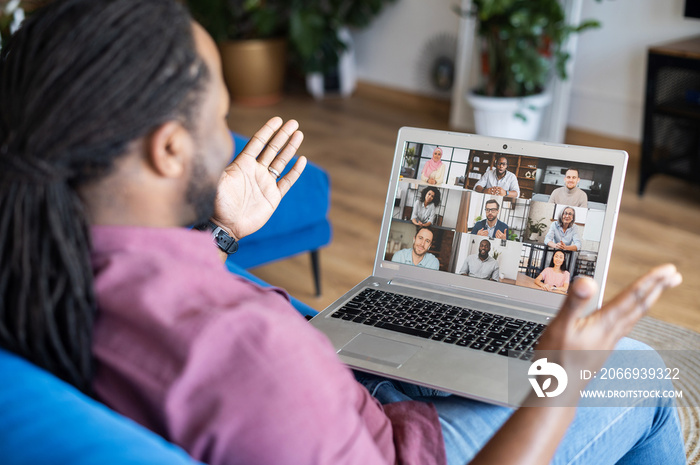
x,y
78,82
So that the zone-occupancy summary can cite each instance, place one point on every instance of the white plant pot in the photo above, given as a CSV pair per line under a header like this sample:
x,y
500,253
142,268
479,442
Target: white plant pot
x,y
345,81
513,117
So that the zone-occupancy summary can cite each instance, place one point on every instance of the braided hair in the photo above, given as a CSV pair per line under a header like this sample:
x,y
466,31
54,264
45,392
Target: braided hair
x,y
79,81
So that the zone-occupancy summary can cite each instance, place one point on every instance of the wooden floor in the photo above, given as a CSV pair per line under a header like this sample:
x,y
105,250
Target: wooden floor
x,y
353,140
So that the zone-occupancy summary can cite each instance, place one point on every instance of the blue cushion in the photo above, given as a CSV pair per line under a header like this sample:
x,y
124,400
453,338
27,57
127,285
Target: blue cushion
x,y
46,421
300,223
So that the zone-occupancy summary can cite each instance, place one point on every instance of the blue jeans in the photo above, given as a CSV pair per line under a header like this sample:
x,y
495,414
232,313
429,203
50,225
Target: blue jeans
x,y
598,435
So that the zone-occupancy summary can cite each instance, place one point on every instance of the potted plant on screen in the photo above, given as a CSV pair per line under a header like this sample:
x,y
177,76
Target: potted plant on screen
x,y
535,229
251,35
522,46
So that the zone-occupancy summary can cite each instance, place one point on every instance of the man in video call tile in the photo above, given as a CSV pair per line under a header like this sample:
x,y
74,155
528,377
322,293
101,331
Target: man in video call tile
x,y
499,181
418,255
491,226
482,265
570,193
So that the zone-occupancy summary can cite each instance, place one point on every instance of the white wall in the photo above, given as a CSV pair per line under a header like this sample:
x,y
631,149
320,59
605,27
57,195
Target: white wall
x,y
389,51
610,71
610,75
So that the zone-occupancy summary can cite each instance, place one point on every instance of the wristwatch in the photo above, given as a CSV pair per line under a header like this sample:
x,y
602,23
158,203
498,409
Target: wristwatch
x,y
221,238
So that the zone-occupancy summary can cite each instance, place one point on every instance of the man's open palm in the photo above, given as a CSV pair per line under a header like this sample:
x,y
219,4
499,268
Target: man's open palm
x,y
249,190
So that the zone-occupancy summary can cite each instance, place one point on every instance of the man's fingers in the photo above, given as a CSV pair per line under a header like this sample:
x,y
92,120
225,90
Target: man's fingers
x,y
279,142
279,162
630,305
288,180
580,293
257,143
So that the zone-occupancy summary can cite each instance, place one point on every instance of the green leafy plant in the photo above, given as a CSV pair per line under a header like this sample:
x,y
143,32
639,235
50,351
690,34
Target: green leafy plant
x,y
311,27
411,160
314,26
512,235
522,44
536,228
241,19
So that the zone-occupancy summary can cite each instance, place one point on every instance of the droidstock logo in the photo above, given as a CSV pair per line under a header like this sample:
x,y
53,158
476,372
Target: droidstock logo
x,y
541,368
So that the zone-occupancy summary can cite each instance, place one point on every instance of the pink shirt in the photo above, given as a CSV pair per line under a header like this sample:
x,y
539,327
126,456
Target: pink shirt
x,y
229,370
549,276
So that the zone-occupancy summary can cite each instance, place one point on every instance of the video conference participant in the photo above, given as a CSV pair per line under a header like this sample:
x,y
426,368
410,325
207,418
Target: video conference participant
x,y
481,265
425,207
570,193
418,254
434,170
555,278
491,226
563,233
499,181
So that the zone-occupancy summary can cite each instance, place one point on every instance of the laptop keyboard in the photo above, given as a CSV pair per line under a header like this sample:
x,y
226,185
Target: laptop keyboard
x,y
450,324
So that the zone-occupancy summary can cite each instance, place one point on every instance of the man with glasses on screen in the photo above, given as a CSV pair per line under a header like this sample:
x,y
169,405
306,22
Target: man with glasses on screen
x,y
499,181
491,227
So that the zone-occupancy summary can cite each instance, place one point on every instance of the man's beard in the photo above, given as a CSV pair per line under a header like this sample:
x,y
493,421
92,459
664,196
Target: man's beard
x,y
419,254
200,193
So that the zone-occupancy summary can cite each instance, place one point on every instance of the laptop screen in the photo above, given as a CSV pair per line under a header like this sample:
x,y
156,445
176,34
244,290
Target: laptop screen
x,y
508,217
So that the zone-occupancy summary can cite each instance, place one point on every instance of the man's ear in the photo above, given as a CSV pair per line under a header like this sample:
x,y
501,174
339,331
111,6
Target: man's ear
x,y
169,149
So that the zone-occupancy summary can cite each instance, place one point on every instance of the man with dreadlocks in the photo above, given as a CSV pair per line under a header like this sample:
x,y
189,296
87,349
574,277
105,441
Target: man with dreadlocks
x,y
113,138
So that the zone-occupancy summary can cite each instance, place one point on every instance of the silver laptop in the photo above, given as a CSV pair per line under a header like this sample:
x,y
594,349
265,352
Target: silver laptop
x,y
457,304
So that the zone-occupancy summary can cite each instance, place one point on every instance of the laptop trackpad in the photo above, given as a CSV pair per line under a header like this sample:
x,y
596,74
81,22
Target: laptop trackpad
x,y
379,350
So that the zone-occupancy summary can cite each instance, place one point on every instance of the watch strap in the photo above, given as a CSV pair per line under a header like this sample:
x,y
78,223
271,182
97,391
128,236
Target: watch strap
x,y
221,238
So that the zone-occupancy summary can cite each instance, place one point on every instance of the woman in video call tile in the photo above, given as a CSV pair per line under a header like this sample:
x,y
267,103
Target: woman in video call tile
x,y
425,208
563,233
555,278
434,171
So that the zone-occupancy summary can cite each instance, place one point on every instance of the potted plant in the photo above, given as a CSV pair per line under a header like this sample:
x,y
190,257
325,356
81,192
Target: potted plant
x,y
410,163
536,229
251,35
319,34
522,45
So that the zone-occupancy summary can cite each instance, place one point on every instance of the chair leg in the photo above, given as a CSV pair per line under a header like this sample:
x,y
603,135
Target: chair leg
x,y
315,266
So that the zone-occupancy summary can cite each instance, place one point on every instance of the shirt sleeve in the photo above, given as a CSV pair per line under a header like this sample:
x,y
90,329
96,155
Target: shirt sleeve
x,y
476,227
273,385
431,214
550,234
439,174
482,182
423,176
416,206
465,267
494,274
514,186
434,263
575,238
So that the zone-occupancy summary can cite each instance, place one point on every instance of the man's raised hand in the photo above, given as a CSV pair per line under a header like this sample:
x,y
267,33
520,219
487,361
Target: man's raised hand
x,y
250,189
